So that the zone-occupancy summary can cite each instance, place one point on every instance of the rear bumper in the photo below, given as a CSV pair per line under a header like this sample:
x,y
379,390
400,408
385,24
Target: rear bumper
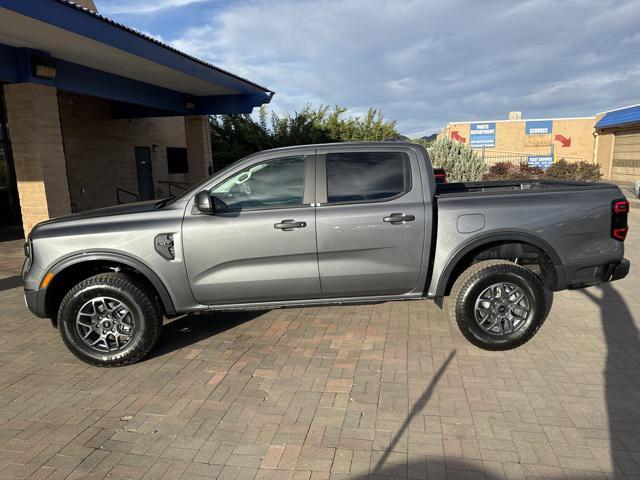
x,y
580,276
35,302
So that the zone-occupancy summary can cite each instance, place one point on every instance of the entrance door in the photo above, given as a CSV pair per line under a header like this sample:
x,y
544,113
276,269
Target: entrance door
x,y
145,173
9,206
260,244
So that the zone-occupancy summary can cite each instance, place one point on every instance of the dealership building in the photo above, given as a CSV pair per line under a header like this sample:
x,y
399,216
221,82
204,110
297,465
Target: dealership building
x,y
610,139
93,113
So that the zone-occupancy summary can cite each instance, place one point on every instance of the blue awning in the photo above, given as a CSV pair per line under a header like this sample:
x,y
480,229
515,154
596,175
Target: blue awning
x,y
94,55
623,116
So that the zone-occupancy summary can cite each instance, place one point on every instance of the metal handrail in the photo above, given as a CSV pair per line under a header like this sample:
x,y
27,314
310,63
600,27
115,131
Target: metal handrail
x,y
175,185
122,190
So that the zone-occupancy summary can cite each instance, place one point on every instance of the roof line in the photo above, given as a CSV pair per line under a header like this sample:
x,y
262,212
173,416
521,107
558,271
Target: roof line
x,y
618,109
110,21
524,120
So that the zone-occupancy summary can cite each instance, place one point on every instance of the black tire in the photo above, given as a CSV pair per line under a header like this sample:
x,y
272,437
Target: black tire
x,y
479,277
141,303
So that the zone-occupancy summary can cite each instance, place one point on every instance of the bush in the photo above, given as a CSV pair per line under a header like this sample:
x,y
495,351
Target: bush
x,y
561,170
460,161
235,136
580,171
510,171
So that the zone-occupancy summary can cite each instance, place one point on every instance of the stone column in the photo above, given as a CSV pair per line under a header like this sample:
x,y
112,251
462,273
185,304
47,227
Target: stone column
x,y
38,155
198,146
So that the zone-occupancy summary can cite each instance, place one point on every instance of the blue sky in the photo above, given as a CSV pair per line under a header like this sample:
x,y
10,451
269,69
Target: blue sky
x,y
424,63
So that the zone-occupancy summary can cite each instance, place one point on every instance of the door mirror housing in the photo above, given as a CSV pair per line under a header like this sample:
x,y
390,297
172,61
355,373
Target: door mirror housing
x,y
203,202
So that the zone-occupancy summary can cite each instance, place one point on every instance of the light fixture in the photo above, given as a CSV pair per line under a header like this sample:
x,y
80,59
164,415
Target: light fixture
x,y
44,66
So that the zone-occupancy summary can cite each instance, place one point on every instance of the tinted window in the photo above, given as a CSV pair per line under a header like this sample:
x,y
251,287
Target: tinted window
x,y
274,183
366,176
177,160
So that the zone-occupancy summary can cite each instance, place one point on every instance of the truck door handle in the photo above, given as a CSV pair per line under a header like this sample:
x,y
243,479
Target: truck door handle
x,y
289,224
399,218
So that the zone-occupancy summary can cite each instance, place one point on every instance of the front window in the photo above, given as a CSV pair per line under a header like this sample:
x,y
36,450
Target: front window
x,y
274,183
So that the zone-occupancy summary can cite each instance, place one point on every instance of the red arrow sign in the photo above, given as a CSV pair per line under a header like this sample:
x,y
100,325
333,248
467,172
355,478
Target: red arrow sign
x,y
566,142
456,136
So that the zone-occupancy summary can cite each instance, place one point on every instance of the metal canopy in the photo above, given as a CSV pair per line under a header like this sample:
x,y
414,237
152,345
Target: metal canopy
x,y
94,55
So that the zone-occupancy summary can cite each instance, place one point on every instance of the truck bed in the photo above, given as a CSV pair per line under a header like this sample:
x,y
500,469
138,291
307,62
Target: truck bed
x,y
496,187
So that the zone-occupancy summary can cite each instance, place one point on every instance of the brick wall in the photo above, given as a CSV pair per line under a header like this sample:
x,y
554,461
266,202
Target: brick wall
x,y
510,137
100,150
39,162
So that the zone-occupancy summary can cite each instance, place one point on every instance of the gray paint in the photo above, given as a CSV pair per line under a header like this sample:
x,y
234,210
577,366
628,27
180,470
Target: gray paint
x,y
345,253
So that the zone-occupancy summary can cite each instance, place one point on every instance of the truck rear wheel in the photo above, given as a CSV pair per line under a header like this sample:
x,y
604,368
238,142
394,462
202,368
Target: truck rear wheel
x,y
109,320
498,305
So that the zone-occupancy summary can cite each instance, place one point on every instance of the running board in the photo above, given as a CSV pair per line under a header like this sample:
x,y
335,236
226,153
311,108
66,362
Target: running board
x,y
316,302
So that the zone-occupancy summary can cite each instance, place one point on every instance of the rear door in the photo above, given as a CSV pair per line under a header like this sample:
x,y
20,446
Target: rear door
x,y
370,221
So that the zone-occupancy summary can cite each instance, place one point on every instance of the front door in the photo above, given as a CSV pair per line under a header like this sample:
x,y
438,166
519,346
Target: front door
x,y
260,245
145,173
371,223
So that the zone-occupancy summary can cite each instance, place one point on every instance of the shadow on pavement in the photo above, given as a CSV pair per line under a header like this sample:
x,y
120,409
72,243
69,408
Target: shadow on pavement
x,y
8,283
190,329
622,376
415,410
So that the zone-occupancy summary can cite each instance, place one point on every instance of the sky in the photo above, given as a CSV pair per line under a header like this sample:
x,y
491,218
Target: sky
x,y
424,63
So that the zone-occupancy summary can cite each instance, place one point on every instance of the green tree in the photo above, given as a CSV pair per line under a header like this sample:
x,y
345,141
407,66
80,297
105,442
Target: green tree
x,y
235,136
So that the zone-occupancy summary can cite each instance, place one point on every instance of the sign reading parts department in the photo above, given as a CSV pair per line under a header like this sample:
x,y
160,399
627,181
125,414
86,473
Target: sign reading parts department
x,y
482,135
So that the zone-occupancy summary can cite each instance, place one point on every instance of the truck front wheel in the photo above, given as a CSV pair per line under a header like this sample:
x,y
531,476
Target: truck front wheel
x,y
109,320
498,305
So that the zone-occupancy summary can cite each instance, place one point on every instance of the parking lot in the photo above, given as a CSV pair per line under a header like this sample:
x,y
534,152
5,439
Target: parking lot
x,y
388,390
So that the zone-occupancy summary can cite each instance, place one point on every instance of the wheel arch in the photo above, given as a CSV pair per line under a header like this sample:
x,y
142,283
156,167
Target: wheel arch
x,y
73,269
464,256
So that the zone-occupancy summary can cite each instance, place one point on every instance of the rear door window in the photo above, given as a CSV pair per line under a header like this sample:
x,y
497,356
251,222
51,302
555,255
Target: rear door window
x,y
354,177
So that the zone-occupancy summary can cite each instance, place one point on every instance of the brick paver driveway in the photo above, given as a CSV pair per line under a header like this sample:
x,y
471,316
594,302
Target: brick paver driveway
x,y
390,390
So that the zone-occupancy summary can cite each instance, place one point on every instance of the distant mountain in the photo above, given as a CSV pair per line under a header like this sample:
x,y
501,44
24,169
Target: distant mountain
x,y
429,138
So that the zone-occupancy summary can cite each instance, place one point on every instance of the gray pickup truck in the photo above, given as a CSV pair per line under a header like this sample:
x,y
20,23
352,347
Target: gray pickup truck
x,y
321,225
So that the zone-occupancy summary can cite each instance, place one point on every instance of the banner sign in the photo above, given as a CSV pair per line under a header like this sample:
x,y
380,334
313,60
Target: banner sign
x,y
482,135
538,133
540,161
538,127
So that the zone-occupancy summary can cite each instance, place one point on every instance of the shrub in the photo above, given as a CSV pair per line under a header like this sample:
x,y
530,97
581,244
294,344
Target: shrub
x,y
580,171
511,171
459,160
561,170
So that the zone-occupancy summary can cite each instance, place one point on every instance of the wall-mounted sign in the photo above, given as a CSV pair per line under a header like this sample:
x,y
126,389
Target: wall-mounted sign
x,y
540,161
455,135
538,132
482,135
538,127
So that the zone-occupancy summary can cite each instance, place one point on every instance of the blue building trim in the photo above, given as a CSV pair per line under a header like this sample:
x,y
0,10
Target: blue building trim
x,y
624,116
96,27
135,98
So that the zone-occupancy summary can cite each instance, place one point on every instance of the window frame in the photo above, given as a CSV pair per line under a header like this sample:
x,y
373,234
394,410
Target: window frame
x,y
308,188
186,159
322,181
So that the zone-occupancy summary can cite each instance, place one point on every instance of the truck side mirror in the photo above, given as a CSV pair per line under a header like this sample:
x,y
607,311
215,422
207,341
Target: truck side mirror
x,y
203,202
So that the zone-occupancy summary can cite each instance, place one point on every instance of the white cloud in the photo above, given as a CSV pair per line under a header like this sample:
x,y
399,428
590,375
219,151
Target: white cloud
x,y
429,62
138,7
